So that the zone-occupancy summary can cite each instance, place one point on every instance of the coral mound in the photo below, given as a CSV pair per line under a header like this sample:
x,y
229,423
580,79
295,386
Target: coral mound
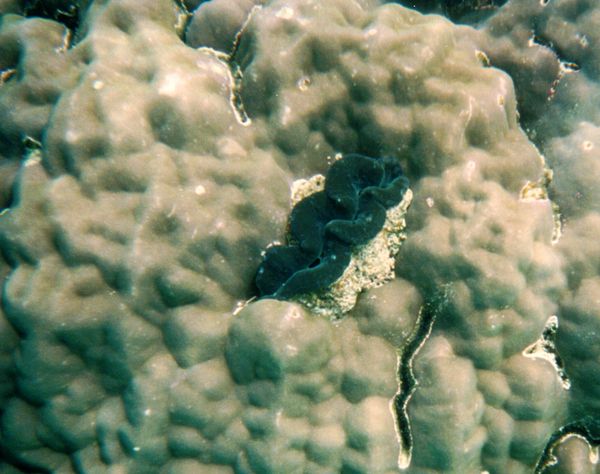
x,y
147,149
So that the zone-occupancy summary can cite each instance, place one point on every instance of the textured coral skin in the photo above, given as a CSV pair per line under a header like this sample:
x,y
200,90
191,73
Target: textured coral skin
x,y
147,156
325,226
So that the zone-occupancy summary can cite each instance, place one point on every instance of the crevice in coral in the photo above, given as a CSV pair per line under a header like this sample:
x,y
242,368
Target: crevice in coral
x,y
234,71
6,75
540,190
235,80
565,66
407,382
545,348
459,11
587,428
184,18
539,39
68,16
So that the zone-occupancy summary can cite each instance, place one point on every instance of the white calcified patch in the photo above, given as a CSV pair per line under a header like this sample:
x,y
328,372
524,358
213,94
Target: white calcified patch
x,y
234,78
545,349
371,265
302,188
538,191
170,86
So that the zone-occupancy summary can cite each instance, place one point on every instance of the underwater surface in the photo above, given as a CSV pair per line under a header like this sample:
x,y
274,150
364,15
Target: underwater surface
x,y
300,236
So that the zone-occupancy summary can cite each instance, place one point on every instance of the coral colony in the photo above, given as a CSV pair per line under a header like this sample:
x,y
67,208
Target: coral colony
x,y
165,308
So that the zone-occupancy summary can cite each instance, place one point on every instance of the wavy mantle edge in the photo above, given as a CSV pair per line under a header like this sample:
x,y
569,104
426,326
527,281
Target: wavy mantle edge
x,y
371,264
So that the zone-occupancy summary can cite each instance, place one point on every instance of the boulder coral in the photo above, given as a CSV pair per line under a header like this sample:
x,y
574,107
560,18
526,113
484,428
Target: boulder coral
x,y
148,153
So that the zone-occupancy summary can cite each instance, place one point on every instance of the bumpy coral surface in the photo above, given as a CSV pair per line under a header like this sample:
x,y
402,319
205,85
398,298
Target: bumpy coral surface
x,y
148,151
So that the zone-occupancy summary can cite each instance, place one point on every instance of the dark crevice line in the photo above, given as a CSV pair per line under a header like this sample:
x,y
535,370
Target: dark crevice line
x,y
545,348
235,80
587,427
184,16
31,145
238,36
7,74
541,40
236,93
470,12
407,382
565,66
235,70
69,17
